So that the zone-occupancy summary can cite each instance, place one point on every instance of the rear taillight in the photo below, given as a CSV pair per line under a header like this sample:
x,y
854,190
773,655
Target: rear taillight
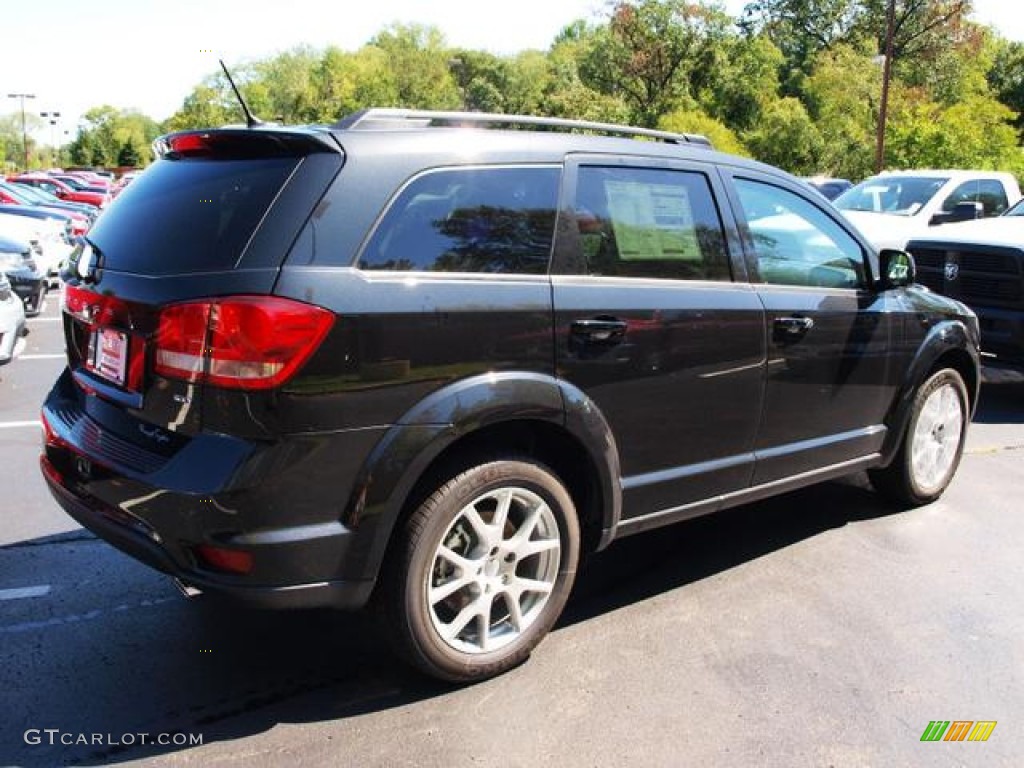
x,y
240,342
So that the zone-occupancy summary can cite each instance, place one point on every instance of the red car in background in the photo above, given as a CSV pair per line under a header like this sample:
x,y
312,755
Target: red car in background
x,y
11,194
82,183
60,189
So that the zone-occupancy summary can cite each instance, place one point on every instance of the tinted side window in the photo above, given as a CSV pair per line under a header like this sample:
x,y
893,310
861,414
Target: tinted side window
x,y
643,222
965,193
992,195
498,220
795,242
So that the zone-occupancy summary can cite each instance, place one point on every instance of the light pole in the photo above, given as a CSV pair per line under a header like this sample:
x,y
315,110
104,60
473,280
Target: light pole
x,y
24,133
53,118
883,110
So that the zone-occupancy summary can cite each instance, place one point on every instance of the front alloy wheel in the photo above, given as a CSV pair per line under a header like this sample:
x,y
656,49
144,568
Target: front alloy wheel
x,y
933,444
487,564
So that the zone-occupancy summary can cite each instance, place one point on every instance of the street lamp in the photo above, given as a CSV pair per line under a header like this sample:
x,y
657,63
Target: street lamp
x,y
24,133
53,118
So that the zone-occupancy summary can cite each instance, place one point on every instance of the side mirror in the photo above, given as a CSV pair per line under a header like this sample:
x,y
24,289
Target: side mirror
x,y
897,268
968,210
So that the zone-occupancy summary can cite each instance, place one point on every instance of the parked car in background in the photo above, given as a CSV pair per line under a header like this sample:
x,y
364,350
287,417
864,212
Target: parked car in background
x,y
12,321
81,216
89,177
59,189
27,281
418,361
48,234
981,263
895,206
123,182
829,187
82,184
101,173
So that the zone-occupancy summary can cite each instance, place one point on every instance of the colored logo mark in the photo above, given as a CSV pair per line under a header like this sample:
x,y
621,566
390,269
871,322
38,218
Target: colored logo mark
x,y
958,730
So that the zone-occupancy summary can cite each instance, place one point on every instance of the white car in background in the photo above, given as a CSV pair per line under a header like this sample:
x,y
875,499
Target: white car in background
x,y
895,206
47,238
12,322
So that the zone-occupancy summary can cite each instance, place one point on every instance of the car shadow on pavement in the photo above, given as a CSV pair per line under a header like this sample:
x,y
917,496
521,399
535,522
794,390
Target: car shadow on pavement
x,y
225,672
1001,402
658,561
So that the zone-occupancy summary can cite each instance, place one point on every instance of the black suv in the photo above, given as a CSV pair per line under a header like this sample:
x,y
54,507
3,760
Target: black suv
x,y
408,361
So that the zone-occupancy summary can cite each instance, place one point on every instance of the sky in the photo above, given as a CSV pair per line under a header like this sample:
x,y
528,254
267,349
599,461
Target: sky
x,y
148,56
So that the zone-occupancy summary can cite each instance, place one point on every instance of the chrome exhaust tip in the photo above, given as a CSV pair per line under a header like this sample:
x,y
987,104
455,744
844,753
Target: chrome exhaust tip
x,y
187,589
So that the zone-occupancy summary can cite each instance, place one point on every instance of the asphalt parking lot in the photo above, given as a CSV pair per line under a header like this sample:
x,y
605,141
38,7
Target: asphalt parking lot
x,y
822,628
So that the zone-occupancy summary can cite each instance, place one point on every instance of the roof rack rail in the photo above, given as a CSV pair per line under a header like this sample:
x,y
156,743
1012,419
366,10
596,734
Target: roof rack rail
x,y
386,118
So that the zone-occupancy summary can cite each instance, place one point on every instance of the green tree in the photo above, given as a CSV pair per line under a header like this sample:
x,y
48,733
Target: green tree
x,y
104,133
1006,78
787,137
842,96
206,107
746,81
976,133
283,88
803,28
420,63
696,121
128,155
657,55
12,149
565,94
922,29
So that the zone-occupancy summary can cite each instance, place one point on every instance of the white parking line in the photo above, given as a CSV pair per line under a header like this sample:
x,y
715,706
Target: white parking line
x,y
19,424
32,320
42,357
23,592
76,618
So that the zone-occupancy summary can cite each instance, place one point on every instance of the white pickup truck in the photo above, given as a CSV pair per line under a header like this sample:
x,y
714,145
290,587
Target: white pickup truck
x,y
895,206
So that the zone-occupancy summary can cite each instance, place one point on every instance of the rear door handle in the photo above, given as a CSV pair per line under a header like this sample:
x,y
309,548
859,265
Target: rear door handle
x,y
599,329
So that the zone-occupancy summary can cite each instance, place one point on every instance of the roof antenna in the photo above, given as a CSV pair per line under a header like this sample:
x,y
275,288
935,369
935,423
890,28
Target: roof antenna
x,y
250,120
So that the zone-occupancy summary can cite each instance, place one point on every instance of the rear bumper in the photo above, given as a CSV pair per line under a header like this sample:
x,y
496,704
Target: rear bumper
x,y
284,514
136,538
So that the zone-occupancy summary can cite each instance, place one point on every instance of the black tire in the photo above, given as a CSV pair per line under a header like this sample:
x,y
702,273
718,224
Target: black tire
x,y
496,570
904,480
38,304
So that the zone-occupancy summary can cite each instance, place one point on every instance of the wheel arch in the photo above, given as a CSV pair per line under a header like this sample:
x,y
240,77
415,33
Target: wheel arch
x,y
517,415
947,345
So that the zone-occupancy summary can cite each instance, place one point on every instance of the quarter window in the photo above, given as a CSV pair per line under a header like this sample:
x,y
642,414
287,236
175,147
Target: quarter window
x,y
644,222
989,192
795,242
496,220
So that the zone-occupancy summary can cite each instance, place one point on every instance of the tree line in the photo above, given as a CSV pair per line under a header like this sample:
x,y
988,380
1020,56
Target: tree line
x,y
794,83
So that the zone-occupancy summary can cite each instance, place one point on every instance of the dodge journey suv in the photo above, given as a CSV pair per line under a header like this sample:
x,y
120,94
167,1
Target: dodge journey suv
x,y
427,361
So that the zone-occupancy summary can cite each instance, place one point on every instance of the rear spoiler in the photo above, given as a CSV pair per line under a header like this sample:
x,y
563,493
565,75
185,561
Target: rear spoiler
x,y
242,144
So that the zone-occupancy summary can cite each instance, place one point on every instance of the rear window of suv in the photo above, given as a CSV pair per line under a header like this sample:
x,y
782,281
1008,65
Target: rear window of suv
x,y
194,215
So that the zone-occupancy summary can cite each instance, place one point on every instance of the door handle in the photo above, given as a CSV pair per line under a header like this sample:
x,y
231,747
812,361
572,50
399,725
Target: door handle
x,y
599,329
790,328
